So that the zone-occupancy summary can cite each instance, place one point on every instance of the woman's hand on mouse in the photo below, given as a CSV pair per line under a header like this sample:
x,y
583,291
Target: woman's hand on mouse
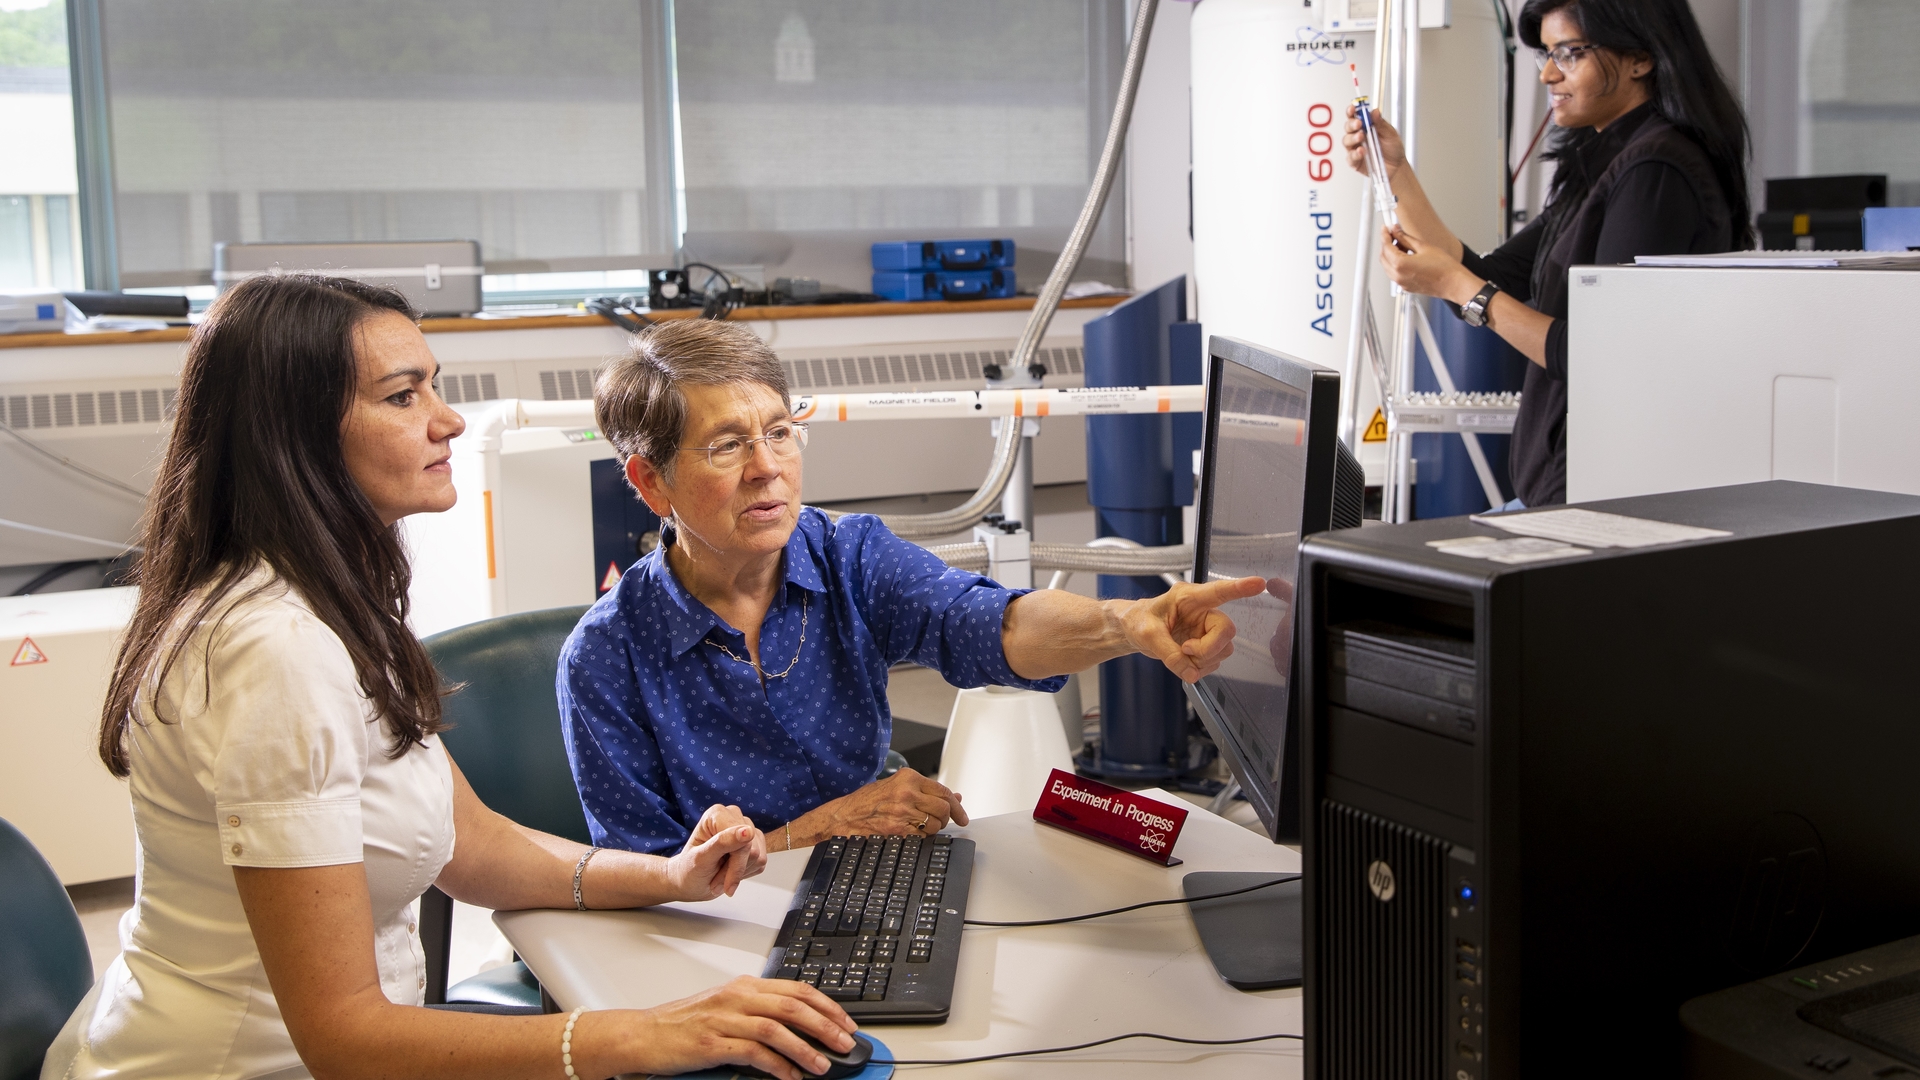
x,y
747,1021
1393,152
723,851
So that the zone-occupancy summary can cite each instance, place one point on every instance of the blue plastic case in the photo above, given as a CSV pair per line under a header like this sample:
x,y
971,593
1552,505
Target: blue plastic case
x,y
944,284
944,255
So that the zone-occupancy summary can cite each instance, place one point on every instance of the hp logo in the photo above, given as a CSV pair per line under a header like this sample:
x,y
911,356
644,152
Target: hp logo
x,y
1380,880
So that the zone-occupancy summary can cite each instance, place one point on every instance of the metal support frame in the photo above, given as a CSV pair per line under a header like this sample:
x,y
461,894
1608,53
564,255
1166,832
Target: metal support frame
x,y
1396,88
93,145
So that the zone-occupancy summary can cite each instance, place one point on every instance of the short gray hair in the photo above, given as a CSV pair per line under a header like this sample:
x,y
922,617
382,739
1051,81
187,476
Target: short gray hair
x,y
637,398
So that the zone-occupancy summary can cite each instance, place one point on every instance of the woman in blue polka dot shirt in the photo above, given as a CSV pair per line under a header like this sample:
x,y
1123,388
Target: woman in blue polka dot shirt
x,y
744,662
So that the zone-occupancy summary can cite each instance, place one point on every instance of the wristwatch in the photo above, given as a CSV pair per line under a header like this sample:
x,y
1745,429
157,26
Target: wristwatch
x,y
1474,311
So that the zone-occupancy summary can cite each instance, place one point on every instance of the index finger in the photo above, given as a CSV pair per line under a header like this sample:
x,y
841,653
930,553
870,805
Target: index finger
x,y
745,863
811,996
1215,593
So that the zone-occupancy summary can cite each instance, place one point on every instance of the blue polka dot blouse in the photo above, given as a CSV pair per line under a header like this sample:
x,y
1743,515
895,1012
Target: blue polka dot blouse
x,y
660,723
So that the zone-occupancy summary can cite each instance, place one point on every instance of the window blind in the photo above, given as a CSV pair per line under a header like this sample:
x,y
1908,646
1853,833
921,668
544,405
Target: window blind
x,y
537,129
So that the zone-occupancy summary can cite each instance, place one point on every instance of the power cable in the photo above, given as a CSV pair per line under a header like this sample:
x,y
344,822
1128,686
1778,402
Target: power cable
x,y
1088,1046
74,465
1136,907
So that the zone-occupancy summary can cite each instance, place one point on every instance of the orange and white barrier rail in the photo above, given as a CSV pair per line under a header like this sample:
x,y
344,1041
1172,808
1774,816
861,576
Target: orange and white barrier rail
x,y
960,404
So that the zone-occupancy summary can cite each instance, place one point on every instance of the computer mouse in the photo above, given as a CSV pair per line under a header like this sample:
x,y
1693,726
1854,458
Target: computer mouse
x,y
839,1065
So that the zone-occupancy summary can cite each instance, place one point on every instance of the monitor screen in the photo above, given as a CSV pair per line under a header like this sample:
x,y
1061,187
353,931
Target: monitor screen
x,y
1273,472
1258,494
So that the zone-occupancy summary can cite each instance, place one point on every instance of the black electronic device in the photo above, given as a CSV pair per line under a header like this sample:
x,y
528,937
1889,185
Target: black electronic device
x,y
1855,1015
148,305
1800,194
1551,793
1819,213
668,289
840,1063
875,924
1273,470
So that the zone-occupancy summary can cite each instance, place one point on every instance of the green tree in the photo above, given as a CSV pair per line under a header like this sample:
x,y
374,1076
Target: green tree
x,y
36,37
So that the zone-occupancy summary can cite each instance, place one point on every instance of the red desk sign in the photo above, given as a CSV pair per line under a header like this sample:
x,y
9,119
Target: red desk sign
x,y
1133,823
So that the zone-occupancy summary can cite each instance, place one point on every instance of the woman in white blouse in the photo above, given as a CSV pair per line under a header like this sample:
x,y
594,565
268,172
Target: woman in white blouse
x,y
277,723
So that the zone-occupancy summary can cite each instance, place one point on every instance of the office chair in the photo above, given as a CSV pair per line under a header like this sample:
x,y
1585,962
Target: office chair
x,y
44,964
505,733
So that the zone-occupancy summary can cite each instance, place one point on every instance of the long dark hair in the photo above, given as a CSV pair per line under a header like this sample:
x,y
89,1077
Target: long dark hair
x,y
1685,87
253,473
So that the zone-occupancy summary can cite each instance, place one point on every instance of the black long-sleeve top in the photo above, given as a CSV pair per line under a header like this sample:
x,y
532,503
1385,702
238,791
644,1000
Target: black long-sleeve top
x,y
1655,194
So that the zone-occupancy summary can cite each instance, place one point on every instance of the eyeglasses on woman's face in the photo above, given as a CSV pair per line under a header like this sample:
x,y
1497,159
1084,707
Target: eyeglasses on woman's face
x,y
1564,57
785,440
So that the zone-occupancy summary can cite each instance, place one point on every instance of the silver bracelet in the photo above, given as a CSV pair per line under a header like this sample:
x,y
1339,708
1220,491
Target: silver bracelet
x,y
580,868
566,1037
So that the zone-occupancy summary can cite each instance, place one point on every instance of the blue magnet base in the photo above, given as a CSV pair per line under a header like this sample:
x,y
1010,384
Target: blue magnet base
x,y
876,1070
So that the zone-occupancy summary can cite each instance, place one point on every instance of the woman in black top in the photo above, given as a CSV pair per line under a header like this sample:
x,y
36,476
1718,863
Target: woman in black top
x,y
1650,160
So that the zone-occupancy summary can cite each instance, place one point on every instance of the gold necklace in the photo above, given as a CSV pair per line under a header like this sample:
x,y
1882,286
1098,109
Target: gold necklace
x,y
796,652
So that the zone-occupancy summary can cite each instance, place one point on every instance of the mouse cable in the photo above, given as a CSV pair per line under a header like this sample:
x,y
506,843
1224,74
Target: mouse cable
x,y
1086,1046
1282,880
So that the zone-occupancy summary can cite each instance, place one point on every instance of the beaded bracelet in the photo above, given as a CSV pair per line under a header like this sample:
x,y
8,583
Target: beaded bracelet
x,y
566,1042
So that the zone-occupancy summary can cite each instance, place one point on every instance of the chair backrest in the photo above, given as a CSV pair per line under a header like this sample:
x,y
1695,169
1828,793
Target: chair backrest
x,y
506,722
45,968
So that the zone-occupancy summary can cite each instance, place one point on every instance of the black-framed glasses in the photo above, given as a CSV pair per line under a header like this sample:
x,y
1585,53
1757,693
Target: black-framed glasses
x,y
731,452
1564,57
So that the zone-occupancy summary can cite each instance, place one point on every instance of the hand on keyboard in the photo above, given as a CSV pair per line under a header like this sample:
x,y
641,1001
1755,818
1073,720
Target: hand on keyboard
x,y
904,804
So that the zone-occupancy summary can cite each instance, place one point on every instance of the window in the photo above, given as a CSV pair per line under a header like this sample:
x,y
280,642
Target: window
x,y
39,222
1832,87
532,127
587,139
812,128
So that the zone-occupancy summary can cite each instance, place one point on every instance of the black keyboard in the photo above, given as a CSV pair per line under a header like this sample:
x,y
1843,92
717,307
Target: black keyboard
x,y
875,924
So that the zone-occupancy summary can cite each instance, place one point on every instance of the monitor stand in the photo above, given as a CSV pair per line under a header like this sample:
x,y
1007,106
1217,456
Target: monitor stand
x,y
1254,939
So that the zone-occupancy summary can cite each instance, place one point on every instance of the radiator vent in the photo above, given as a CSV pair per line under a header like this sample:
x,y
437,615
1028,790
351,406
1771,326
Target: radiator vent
x,y
574,385
917,369
481,386
854,373
87,408
1381,964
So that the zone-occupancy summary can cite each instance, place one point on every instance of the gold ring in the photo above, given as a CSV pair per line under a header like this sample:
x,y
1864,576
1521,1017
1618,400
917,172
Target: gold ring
x,y
923,823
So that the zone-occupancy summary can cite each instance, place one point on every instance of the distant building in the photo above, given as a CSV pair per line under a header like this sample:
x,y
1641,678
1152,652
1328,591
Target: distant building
x,y
793,51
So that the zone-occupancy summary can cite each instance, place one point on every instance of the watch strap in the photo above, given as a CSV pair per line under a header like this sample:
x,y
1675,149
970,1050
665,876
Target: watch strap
x,y
1475,310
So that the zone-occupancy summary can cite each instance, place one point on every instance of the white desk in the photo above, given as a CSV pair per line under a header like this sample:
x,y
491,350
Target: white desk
x,y
1016,989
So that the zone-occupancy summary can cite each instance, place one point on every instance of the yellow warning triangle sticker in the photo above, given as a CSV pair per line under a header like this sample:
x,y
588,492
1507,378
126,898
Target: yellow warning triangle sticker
x,y
612,578
28,653
1376,428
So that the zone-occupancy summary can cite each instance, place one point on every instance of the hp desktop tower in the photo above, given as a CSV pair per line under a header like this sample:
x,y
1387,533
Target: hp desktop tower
x,y
1551,795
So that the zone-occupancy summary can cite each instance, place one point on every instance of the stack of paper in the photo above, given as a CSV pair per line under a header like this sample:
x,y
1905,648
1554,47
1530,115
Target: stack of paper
x,y
1792,260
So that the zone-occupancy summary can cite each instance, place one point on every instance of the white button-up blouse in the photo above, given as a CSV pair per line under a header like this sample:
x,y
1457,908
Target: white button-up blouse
x,y
269,756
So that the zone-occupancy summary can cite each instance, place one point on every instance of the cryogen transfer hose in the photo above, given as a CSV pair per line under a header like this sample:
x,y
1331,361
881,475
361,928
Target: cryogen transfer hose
x,y
1006,449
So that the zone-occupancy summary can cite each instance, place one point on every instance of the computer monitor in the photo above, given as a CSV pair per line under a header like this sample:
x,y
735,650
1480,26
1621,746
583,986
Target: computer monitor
x,y
1273,471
